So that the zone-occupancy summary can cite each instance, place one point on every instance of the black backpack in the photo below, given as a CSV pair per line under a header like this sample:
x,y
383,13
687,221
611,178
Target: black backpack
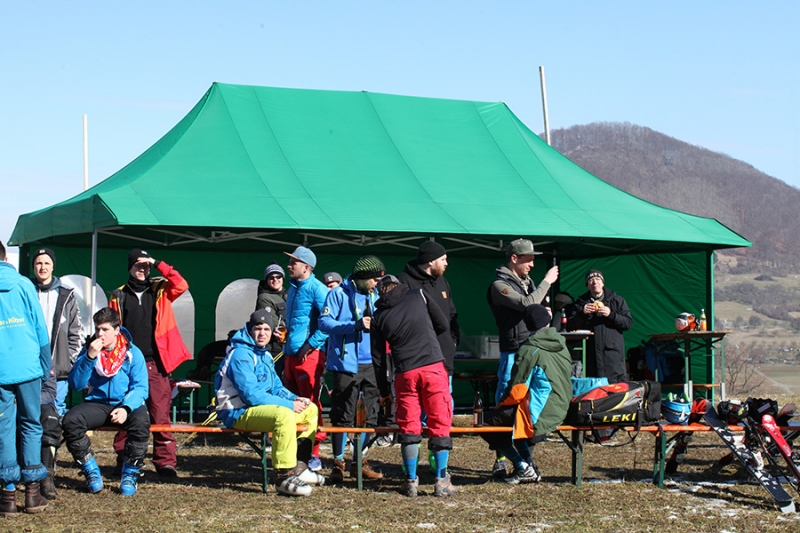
x,y
628,403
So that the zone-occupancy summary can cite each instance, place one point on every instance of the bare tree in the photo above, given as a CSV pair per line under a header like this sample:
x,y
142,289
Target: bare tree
x,y
741,369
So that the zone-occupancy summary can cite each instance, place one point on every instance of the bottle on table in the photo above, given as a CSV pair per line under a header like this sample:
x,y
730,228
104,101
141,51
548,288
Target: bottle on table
x,y
361,411
563,321
477,411
703,321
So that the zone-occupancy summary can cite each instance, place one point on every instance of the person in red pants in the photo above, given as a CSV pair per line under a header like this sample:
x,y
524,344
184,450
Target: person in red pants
x,y
145,308
304,350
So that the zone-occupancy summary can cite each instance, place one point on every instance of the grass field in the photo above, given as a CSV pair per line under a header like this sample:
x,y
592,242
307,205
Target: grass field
x,y
219,490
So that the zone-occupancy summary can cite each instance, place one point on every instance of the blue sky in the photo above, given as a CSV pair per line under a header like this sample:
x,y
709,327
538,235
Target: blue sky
x,y
722,75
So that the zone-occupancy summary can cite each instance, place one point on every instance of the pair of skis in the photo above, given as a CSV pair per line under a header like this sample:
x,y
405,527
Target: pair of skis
x,y
750,448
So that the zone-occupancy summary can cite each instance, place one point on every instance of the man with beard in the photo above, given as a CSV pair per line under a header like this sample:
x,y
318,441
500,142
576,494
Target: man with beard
x,y
509,295
606,314
144,305
347,319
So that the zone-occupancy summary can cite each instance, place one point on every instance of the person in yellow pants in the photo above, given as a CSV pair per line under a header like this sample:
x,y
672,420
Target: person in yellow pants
x,y
250,396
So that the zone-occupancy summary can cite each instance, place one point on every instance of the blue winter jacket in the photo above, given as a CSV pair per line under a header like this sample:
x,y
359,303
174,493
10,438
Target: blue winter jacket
x,y
304,303
24,342
348,343
247,378
127,388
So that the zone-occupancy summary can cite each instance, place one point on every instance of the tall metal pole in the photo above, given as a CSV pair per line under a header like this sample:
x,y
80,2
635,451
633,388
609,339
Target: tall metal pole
x,y
544,105
93,288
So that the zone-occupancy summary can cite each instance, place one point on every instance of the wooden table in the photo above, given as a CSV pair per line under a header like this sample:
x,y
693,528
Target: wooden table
x,y
699,343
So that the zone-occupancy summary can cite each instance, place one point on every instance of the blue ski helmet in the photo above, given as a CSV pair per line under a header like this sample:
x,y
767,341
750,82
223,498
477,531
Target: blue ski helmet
x,y
676,412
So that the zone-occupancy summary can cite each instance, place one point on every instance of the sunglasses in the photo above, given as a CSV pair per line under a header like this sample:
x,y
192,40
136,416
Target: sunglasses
x,y
275,276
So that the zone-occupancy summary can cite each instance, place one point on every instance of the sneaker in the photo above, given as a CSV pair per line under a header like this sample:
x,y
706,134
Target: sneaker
x,y
337,472
310,477
315,464
384,441
527,475
499,469
410,487
443,487
366,471
293,486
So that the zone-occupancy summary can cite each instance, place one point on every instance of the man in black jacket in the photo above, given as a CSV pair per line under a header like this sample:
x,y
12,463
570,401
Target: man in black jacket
x,y
606,314
427,273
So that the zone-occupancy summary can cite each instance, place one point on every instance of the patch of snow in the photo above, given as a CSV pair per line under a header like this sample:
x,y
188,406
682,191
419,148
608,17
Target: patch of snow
x,y
426,525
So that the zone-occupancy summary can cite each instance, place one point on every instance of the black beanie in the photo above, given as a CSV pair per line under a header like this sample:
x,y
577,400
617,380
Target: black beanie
x,y
428,251
44,251
368,267
134,256
261,316
536,317
593,274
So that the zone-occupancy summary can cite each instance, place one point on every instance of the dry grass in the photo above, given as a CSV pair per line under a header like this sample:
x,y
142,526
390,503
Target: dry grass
x,y
219,490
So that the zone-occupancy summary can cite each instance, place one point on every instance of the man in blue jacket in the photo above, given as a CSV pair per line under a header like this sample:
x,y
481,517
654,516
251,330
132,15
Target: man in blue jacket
x,y
251,397
115,373
346,318
24,363
304,350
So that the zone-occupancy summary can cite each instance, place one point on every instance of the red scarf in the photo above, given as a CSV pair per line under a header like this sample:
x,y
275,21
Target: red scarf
x,y
110,361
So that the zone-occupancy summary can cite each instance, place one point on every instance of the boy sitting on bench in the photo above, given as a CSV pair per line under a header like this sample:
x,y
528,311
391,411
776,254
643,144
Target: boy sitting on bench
x,y
114,371
251,397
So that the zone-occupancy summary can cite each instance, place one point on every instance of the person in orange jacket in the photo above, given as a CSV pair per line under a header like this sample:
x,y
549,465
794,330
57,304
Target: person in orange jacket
x,y
145,308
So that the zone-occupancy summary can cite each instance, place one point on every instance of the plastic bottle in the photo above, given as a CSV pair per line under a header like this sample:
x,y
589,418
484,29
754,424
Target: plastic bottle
x,y
477,411
563,322
703,321
361,411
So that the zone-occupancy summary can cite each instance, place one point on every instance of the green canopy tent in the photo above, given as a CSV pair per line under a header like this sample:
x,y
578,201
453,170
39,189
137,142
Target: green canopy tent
x,y
254,171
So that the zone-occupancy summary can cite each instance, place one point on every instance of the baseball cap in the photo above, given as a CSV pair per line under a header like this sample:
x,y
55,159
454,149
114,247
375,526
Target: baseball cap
x,y
304,255
521,247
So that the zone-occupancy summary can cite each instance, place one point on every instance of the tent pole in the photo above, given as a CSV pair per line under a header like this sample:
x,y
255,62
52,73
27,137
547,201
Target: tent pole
x,y
544,106
93,293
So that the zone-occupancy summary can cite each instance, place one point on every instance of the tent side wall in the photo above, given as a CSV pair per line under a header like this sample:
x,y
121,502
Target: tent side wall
x,y
657,287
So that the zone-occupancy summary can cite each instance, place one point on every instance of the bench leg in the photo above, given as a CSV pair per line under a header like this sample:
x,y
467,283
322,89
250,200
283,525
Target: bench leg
x,y
358,459
659,461
264,463
577,458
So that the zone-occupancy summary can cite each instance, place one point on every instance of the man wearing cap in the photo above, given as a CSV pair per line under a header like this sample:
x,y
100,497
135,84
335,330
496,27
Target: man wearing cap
x,y
537,396
332,280
427,273
304,350
26,362
272,294
509,295
144,305
347,319
251,397
61,314
606,314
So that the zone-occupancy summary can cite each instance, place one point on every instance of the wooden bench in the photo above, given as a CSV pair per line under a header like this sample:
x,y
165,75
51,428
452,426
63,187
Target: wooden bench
x,y
663,443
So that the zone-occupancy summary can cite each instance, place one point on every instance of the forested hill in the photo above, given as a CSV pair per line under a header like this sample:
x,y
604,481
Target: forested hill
x,y
678,175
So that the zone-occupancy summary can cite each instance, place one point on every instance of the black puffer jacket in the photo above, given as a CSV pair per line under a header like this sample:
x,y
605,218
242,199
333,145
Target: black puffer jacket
x,y
437,289
409,321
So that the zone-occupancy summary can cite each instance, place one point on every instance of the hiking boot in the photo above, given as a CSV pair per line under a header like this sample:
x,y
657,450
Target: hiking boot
x,y
8,503
315,464
366,471
34,501
130,479
410,487
48,486
384,441
293,486
443,487
523,475
337,472
89,468
499,469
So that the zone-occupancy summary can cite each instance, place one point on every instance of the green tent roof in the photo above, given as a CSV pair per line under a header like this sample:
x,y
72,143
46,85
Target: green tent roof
x,y
288,159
